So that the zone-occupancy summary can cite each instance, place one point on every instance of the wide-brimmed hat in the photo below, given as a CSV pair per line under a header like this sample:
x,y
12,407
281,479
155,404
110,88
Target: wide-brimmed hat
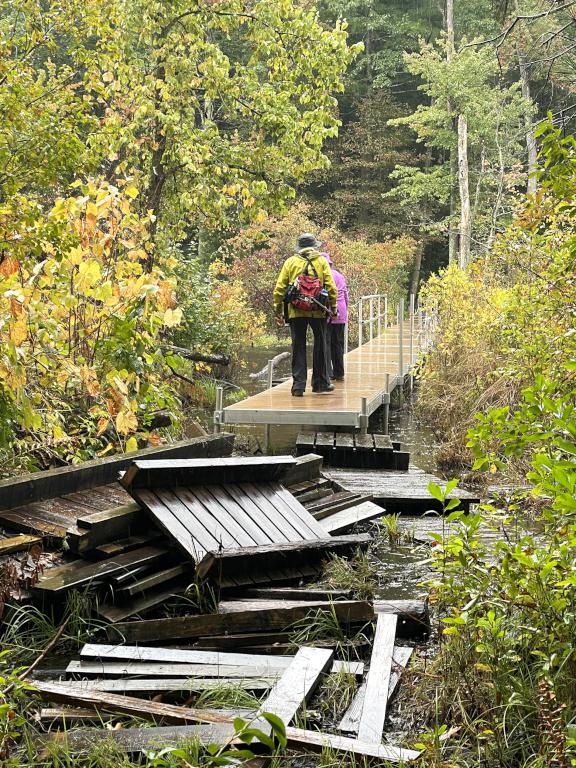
x,y
307,240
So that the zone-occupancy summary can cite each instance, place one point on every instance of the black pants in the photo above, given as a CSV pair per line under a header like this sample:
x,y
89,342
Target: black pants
x,y
298,330
335,349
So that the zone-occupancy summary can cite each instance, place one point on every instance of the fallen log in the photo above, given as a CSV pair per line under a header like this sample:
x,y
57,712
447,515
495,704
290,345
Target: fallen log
x,y
197,357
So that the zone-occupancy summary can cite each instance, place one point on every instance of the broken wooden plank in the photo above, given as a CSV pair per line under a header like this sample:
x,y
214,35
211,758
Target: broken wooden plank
x,y
297,683
331,501
175,473
182,627
296,593
113,519
316,741
251,560
18,543
413,616
142,604
306,468
64,577
355,500
39,486
133,740
345,519
246,604
155,685
376,698
63,693
351,718
155,579
179,655
163,669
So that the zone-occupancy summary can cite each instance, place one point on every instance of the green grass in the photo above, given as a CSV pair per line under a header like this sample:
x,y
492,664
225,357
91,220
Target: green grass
x,y
356,574
227,697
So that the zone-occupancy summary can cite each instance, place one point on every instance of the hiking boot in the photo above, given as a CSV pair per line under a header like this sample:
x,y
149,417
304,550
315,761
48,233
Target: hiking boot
x,y
298,393
324,390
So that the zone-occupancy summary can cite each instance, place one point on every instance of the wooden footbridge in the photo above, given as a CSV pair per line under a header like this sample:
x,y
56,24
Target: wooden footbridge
x,y
382,362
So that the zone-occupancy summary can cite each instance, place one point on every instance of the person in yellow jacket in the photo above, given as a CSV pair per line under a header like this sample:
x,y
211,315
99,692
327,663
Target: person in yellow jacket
x,y
300,320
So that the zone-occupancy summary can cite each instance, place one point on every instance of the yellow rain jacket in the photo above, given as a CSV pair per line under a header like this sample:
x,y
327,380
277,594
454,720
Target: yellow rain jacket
x,y
294,266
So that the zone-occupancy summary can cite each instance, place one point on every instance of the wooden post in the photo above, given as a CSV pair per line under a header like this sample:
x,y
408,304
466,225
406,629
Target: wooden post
x,y
270,373
364,416
360,320
386,404
218,410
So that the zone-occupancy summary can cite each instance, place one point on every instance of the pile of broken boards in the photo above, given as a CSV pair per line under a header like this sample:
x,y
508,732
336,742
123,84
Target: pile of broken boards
x,y
238,528
222,523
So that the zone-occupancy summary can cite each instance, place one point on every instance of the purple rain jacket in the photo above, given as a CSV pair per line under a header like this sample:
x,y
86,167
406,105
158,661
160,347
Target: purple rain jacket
x,y
342,289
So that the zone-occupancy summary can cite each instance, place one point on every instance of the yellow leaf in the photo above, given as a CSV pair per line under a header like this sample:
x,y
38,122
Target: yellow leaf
x,y
19,332
126,422
101,426
131,445
107,77
58,433
172,317
90,380
131,191
89,273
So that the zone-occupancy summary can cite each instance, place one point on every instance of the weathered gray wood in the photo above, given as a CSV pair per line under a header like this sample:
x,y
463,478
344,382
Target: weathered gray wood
x,y
174,473
297,683
306,468
355,501
102,527
315,741
63,693
255,559
180,656
62,578
397,491
155,685
345,519
295,593
181,627
133,740
270,604
18,543
109,517
376,698
351,718
413,616
331,501
163,669
160,577
142,604
39,486
307,486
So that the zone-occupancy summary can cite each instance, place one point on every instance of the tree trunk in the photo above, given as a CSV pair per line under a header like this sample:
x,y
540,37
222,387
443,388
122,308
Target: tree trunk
x,y
465,221
452,232
530,138
416,265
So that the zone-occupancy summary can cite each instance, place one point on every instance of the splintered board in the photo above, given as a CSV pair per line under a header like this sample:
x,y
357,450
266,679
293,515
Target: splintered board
x,y
215,519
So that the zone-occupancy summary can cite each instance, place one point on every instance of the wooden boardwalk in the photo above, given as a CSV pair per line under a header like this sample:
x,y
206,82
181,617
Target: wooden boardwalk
x,y
367,370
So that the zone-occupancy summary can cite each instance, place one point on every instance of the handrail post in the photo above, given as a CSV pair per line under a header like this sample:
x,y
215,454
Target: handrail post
x,y
218,409
386,403
411,347
360,321
379,310
270,374
364,416
371,317
385,311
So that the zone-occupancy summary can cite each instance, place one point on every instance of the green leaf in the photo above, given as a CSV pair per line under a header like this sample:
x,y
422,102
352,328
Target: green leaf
x,y
436,492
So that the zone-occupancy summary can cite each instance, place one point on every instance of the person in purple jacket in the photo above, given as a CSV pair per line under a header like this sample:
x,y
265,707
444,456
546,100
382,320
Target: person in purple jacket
x,y
337,326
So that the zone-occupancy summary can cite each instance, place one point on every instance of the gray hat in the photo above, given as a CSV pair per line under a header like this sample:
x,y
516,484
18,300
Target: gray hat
x,y
307,240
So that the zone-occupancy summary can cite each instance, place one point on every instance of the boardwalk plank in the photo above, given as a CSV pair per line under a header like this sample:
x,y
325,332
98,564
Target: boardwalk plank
x,y
376,699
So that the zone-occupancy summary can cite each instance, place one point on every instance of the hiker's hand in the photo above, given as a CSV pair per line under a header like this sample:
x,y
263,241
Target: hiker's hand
x,y
280,321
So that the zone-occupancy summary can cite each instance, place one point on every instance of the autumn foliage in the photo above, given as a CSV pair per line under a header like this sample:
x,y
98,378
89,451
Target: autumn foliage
x,y
255,256
79,362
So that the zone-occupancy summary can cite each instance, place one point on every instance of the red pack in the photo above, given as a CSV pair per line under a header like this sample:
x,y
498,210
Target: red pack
x,y
307,292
